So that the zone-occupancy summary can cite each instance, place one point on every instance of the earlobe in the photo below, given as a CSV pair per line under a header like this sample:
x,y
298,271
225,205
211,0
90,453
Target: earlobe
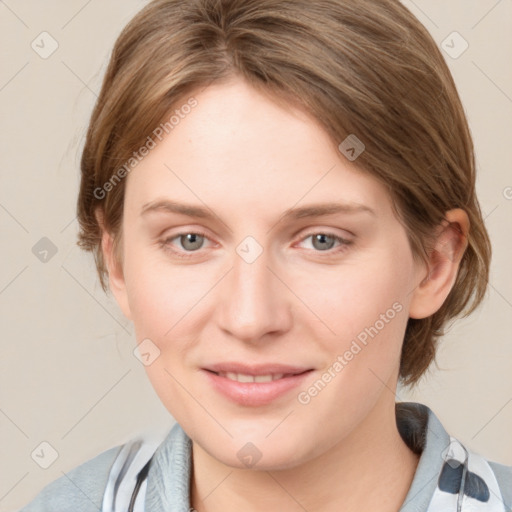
x,y
116,280
443,265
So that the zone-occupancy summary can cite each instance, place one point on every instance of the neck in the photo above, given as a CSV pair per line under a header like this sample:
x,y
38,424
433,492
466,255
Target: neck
x,y
371,469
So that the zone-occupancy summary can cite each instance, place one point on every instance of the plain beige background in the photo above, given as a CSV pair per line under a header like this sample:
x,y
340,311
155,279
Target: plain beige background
x,y
68,376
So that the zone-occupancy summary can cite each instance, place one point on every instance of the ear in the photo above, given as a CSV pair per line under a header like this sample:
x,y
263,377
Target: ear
x,y
443,265
116,280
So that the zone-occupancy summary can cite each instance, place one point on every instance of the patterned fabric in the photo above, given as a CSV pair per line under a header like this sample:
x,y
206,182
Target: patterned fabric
x,y
127,481
466,483
449,478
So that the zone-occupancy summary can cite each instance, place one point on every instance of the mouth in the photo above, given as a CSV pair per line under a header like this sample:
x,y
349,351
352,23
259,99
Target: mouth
x,y
254,385
245,377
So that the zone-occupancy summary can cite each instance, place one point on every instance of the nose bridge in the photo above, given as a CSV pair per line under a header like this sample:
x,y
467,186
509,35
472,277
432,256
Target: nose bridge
x,y
252,303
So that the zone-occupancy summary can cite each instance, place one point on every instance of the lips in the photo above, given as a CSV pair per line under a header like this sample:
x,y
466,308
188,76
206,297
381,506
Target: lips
x,y
257,370
254,385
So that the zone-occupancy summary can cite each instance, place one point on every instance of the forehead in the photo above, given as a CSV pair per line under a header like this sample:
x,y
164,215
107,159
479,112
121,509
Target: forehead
x,y
242,149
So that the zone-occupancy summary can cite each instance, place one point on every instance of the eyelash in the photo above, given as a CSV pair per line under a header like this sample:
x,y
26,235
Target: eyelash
x,y
165,243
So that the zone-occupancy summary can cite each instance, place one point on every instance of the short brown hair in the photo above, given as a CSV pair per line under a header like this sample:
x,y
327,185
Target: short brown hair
x,y
367,68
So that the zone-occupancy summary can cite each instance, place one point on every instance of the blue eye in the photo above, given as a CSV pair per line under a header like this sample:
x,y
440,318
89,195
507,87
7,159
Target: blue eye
x,y
323,241
194,241
190,242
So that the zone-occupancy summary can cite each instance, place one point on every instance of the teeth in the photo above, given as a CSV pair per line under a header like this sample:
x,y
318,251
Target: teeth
x,y
263,378
241,377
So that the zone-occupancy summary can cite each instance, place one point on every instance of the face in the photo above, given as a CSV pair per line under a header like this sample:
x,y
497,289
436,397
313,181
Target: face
x,y
254,250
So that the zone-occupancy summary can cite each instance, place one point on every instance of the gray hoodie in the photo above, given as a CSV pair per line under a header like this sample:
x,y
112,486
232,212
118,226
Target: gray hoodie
x,y
142,476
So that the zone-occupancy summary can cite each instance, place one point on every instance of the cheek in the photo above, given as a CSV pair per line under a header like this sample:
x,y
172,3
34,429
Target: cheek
x,y
363,312
161,300
367,310
337,301
348,299
169,302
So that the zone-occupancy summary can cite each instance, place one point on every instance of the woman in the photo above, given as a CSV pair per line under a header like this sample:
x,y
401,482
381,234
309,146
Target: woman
x,y
230,141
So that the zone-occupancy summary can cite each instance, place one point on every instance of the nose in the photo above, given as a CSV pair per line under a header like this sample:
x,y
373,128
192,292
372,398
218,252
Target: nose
x,y
254,302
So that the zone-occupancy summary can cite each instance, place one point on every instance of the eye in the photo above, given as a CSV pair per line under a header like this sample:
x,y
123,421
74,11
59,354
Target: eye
x,y
191,241
323,241
186,243
183,245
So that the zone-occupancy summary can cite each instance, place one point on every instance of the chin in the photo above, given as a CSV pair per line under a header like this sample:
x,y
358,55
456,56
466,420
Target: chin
x,y
260,454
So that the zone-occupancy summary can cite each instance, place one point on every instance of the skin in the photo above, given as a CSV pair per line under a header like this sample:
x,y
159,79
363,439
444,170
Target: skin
x,y
249,159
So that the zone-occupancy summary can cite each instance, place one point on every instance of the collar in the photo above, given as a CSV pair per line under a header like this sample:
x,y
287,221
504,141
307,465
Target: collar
x,y
448,477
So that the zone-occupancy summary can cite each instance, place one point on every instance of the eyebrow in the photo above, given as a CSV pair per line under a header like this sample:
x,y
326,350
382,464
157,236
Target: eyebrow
x,y
312,210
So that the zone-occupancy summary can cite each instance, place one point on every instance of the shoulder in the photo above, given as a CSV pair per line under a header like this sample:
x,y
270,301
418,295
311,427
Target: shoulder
x,y
483,484
82,488
450,476
107,482
503,476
